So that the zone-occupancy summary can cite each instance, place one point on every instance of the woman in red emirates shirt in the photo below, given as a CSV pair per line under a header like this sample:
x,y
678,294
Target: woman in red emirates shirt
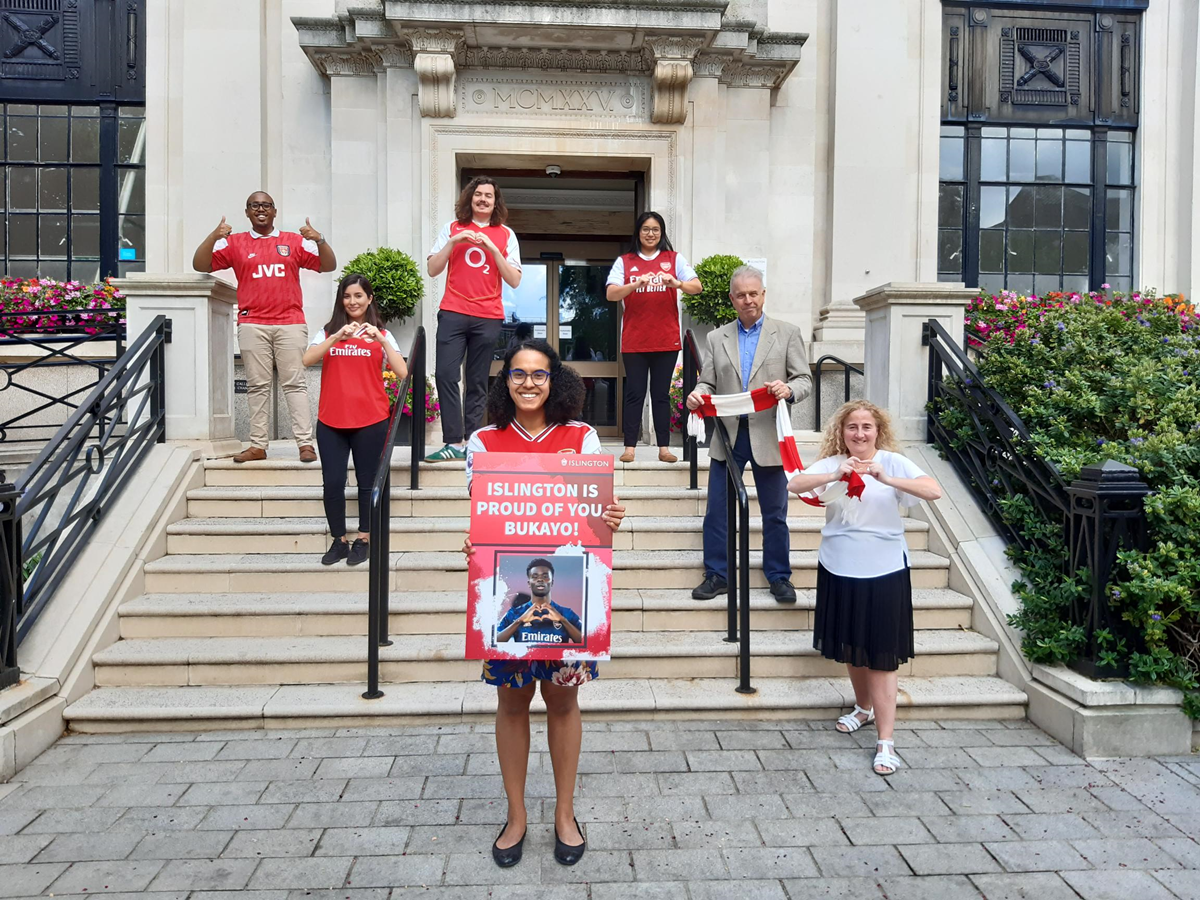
x,y
647,280
353,413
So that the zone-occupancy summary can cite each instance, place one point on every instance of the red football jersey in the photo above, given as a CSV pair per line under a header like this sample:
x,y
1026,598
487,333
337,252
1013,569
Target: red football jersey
x,y
650,321
267,269
473,284
573,437
352,392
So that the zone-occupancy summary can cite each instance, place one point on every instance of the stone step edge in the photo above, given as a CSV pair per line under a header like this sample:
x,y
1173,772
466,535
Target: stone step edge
x,y
255,650
452,561
454,602
701,696
202,526
313,492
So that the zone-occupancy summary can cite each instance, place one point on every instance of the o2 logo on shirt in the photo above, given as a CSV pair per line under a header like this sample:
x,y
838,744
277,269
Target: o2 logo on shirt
x,y
269,270
480,262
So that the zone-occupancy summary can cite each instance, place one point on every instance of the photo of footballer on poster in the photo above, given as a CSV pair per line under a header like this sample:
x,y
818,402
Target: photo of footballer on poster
x,y
541,574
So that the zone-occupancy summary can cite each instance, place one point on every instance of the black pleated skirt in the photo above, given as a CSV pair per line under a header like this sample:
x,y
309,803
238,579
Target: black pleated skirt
x,y
865,622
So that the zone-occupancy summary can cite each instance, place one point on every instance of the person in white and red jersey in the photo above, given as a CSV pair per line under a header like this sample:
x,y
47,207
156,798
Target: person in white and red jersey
x,y
482,255
353,412
272,333
532,406
647,280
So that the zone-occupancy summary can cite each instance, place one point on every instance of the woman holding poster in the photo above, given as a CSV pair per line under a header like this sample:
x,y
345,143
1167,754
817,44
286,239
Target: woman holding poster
x,y
353,413
864,614
532,406
647,280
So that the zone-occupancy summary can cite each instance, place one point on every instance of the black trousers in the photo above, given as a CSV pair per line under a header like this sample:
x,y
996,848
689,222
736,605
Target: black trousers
x,y
463,338
660,366
336,445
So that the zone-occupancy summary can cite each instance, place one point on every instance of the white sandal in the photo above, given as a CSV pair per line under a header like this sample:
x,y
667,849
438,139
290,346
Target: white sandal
x,y
852,722
886,758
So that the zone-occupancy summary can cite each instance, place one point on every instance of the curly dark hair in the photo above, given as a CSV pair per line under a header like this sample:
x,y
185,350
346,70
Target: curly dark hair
x,y
462,208
565,401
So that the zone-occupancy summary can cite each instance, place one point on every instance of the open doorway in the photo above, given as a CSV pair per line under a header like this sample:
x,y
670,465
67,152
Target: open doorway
x,y
571,227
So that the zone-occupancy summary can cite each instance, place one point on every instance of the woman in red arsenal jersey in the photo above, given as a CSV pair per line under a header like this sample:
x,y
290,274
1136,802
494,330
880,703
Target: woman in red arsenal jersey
x,y
648,279
532,406
353,413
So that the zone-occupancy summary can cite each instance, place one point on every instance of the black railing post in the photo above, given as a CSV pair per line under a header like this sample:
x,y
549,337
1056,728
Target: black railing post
x,y
935,381
419,406
819,369
731,558
691,374
1107,515
376,586
11,582
744,589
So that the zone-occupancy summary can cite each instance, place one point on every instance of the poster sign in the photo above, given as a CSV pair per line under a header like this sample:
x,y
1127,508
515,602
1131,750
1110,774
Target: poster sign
x,y
541,575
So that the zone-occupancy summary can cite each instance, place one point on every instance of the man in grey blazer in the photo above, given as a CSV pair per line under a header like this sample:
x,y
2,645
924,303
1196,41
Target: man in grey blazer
x,y
749,353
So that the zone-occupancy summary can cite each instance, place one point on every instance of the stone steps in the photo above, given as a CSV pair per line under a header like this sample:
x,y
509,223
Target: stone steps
x,y
446,571
119,709
444,612
310,535
300,501
421,658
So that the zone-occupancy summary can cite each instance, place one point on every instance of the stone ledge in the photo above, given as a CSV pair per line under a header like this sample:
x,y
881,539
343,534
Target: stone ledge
x,y
25,695
1086,692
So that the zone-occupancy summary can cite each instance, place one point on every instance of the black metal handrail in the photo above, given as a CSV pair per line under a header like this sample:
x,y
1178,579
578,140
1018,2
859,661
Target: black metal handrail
x,y
691,371
56,345
378,592
1099,514
847,368
65,491
737,527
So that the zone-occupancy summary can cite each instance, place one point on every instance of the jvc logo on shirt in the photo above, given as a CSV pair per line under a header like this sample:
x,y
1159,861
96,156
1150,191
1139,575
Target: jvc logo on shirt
x,y
270,270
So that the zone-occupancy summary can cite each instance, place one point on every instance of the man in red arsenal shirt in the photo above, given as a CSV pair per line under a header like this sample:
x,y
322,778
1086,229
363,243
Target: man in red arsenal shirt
x,y
272,333
482,255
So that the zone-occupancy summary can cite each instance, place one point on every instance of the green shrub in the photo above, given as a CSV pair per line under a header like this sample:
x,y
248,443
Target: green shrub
x,y
1094,377
711,306
396,280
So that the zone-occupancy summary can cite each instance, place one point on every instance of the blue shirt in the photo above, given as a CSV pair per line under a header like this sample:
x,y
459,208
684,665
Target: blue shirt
x,y
540,634
747,345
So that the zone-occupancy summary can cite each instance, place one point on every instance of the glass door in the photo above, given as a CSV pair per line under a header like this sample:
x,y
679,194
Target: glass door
x,y
565,304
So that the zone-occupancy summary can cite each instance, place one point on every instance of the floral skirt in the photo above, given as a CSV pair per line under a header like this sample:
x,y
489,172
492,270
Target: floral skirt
x,y
517,673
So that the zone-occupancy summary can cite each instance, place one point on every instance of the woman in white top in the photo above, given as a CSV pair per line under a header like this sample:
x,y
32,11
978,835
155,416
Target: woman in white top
x,y
864,612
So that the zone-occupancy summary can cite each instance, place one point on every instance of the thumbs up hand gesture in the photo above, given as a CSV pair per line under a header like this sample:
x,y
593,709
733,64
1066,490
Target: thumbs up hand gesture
x,y
309,233
223,230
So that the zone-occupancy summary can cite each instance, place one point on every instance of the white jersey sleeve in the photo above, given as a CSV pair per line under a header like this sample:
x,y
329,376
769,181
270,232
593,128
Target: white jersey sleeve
x,y
474,445
616,275
387,336
591,443
513,254
683,269
443,239
311,247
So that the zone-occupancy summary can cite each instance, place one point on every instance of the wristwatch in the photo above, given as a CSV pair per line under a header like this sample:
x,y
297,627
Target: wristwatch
x,y
320,240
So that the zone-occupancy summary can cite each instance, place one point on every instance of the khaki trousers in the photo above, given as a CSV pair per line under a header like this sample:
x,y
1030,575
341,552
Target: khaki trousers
x,y
278,347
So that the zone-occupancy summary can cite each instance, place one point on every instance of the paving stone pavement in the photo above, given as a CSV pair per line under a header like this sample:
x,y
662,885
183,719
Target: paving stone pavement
x,y
673,810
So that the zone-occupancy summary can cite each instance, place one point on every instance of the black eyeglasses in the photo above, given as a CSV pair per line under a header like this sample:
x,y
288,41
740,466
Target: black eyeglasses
x,y
519,376
260,205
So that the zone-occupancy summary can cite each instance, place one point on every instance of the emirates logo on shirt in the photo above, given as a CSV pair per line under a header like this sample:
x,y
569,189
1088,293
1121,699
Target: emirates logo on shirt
x,y
349,351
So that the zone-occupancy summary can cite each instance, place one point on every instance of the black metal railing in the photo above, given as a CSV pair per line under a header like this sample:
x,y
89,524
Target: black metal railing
x,y
88,342
990,447
847,368
378,592
691,372
50,513
737,526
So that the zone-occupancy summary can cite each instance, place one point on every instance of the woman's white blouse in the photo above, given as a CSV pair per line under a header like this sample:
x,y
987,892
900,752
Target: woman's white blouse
x,y
873,544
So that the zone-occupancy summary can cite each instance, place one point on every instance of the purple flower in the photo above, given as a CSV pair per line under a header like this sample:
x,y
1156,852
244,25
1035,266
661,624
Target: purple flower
x,y
1156,617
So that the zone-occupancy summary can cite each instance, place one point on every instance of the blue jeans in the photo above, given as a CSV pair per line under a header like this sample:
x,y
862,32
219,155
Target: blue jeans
x,y
772,500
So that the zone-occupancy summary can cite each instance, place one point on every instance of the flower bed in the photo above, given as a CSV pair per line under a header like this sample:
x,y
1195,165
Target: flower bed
x,y
433,409
1105,376
43,305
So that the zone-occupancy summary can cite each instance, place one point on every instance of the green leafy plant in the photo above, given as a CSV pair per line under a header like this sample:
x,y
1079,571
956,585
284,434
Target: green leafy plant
x,y
1103,376
395,278
711,306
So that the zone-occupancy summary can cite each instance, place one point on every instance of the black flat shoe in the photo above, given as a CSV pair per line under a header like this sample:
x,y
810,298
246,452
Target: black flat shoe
x,y
566,854
510,856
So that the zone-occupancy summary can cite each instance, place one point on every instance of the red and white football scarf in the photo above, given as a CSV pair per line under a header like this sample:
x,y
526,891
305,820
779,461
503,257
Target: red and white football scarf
x,y
760,400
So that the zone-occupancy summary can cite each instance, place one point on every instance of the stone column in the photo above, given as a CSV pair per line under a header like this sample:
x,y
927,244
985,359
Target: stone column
x,y
199,358
897,361
354,146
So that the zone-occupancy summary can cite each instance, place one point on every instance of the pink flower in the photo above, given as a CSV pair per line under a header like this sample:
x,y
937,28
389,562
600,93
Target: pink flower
x,y
571,675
